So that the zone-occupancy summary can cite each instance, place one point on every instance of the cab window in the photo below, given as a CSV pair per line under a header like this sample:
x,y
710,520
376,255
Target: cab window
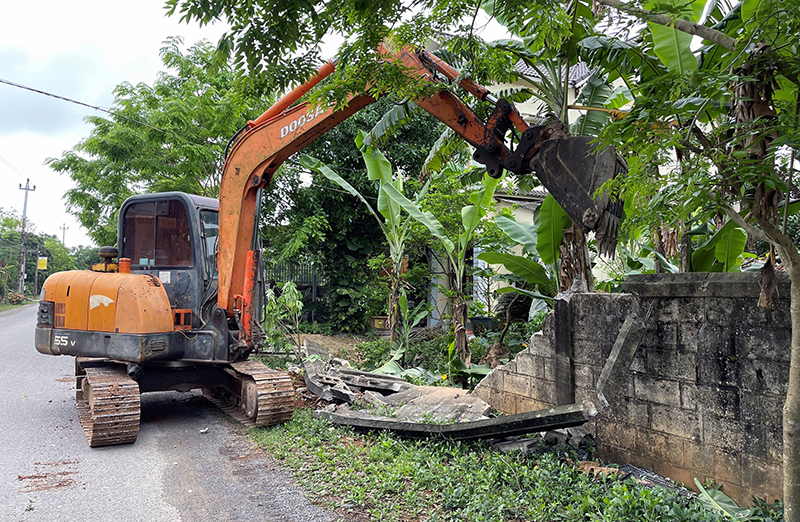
x,y
157,233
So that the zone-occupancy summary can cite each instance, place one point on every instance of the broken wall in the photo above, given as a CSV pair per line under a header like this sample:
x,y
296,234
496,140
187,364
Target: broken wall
x,y
704,393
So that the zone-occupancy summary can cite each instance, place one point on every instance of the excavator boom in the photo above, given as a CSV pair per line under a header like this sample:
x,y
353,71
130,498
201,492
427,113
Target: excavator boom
x,y
570,169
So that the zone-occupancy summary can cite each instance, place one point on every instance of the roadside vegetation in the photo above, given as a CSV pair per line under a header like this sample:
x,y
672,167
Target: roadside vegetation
x,y
378,476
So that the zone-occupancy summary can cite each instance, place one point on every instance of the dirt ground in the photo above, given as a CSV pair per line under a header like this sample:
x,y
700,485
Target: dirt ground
x,y
338,346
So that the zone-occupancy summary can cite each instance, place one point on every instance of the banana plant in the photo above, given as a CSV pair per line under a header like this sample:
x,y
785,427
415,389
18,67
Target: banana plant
x,y
456,251
393,224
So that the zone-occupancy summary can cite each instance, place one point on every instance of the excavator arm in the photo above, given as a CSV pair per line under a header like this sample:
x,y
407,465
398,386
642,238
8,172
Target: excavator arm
x,y
570,168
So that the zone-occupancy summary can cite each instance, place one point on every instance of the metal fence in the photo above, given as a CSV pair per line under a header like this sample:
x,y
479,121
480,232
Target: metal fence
x,y
302,273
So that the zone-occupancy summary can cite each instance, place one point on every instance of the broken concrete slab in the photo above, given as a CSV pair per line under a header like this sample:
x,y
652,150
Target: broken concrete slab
x,y
437,404
519,424
369,381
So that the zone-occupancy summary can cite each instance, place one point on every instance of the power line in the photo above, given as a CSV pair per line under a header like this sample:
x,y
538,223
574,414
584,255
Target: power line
x,y
95,107
12,167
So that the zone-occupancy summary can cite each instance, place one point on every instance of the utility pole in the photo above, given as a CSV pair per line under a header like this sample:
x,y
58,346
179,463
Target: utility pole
x,y
64,229
21,281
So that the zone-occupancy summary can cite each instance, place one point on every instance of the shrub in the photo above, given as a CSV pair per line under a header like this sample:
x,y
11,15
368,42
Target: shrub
x,y
15,298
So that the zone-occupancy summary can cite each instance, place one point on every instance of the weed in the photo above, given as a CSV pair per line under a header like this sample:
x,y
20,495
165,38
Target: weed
x,y
439,480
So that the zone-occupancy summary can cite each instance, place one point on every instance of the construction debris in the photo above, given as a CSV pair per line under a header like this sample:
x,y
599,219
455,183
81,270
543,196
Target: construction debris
x,y
370,401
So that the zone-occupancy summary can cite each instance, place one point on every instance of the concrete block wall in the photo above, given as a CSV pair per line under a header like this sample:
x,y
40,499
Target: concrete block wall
x,y
704,393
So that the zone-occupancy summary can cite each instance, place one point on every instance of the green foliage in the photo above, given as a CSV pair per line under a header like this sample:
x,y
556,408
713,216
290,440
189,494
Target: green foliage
x,y
282,313
552,222
343,249
170,135
387,478
84,256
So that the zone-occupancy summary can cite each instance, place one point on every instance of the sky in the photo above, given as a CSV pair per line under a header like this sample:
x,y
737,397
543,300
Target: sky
x,y
81,50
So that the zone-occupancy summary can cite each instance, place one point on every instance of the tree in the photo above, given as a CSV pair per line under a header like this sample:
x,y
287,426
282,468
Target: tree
x,y
712,130
167,136
84,256
327,224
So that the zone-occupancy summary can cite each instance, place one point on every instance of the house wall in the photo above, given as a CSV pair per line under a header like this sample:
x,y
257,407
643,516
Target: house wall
x,y
704,393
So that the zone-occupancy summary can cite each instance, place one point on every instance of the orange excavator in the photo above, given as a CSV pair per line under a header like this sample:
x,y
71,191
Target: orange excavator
x,y
178,306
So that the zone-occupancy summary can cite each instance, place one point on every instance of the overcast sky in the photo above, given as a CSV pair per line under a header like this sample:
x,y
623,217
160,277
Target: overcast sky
x,y
78,49
81,50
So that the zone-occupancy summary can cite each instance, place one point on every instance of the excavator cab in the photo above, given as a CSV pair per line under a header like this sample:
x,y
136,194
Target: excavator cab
x,y
173,236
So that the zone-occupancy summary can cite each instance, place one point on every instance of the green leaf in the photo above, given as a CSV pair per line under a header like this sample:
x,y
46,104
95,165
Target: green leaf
x,y
425,218
730,247
595,93
523,234
673,47
723,503
378,167
553,221
396,117
530,293
528,270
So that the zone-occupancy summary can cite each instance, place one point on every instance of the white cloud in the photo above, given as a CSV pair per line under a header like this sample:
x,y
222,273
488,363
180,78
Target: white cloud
x,y
80,50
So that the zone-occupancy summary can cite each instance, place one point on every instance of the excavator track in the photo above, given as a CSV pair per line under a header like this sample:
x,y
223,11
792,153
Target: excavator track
x,y
108,406
266,396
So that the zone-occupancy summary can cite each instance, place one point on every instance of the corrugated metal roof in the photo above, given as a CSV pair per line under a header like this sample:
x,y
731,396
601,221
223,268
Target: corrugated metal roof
x,y
578,73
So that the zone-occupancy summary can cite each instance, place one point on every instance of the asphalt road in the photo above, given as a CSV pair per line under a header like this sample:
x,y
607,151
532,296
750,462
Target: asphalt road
x,y
173,472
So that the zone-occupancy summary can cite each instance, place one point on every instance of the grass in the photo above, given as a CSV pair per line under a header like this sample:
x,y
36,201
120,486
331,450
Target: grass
x,y
4,307
382,477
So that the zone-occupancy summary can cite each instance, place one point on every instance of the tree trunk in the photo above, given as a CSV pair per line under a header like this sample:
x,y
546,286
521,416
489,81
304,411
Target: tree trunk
x,y
791,410
459,324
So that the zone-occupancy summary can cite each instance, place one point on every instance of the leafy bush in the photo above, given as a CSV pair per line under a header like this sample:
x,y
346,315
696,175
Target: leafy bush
x,y
15,298
382,477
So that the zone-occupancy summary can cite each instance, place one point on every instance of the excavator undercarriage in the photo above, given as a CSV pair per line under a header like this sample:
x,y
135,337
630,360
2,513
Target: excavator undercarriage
x,y
109,405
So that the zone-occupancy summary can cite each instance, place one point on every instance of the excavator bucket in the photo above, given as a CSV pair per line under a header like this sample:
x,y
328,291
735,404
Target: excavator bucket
x,y
573,169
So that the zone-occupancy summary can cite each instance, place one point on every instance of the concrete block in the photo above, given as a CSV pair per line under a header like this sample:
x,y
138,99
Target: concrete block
x,y
517,384
727,466
544,391
524,363
691,311
584,376
699,458
675,421
524,404
628,410
761,342
659,391
667,311
721,432
541,345
549,368
616,434
765,376
659,446
754,440
688,337
538,367
720,401
671,364
756,472
774,443
677,474
757,408
688,396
